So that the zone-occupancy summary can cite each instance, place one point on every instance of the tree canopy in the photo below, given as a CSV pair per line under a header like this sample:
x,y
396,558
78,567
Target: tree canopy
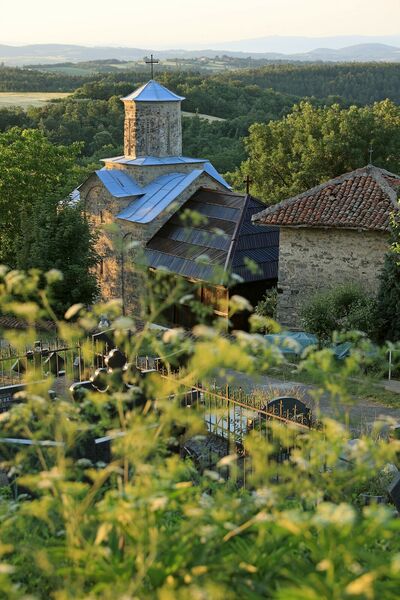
x,y
37,228
313,144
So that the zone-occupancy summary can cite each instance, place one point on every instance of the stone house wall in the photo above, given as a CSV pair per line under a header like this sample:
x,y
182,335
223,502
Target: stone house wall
x,y
315,259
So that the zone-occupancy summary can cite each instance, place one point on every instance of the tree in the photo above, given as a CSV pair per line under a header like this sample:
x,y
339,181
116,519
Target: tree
x,y
312,145
63,239
32,170
36,229
388,314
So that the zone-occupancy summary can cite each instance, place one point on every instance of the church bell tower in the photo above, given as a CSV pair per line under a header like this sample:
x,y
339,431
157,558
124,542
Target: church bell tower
x,y
153,125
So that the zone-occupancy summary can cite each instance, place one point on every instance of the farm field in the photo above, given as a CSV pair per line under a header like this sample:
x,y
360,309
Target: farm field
x,y
209,118
25,99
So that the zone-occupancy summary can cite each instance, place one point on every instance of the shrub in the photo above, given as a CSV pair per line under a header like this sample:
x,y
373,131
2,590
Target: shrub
x,y
388,314
344,308
148,525
266,307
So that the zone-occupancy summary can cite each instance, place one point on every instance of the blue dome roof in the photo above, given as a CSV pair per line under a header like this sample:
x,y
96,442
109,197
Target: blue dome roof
x,y
153,92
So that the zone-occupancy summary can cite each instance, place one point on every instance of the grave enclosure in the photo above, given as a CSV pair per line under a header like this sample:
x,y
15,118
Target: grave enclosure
x,y
229,414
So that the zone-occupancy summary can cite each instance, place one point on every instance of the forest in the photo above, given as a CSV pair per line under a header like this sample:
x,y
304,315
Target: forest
x,y
93,114
288,127
180,482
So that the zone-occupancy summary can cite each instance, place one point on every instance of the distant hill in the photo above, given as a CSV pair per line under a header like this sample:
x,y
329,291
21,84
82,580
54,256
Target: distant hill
x,y
290,45
360,52
58,53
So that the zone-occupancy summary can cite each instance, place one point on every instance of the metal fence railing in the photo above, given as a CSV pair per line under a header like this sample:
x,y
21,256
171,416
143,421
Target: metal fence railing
x,y
230,414
40,361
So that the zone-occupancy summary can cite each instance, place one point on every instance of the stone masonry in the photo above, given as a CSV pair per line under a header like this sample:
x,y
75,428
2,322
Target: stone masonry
x,y
312,259
152,129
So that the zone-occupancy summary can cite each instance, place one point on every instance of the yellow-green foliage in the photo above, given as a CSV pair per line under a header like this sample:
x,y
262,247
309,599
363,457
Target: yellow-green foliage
x,y
150,526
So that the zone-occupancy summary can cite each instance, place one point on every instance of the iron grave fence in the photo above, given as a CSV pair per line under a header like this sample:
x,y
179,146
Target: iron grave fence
x,y
229,413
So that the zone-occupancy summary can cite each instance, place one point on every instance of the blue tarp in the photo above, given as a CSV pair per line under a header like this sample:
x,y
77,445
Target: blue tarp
x,y
292,343
341,351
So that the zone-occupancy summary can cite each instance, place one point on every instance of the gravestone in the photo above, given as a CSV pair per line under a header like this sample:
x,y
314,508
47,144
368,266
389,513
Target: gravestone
x,y
7,396
394,492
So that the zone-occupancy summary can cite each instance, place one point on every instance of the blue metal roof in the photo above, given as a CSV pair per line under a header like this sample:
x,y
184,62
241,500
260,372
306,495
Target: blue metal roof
x,y
158,195
118,183
154,160
212,171
152,91
151,161
75,196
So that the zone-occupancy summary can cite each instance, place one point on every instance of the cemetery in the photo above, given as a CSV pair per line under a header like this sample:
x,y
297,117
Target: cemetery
x,y
229,414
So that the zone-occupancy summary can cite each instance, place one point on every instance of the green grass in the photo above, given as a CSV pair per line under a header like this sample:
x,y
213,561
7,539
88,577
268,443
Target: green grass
x,y
25,99
369,388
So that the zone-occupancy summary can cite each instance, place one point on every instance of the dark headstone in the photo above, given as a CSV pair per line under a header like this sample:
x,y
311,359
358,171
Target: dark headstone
x,y
99,380
54,364
288,407
7,394
115,359
394,491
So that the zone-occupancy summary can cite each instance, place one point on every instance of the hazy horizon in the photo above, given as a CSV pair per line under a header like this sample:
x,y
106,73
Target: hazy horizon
x,y
179,24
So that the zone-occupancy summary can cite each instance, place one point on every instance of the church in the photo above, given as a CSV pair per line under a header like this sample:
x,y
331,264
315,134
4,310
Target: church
x,y
141,200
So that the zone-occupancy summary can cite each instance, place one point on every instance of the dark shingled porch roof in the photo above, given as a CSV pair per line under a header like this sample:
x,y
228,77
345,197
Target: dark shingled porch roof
x,y
224,234
363,199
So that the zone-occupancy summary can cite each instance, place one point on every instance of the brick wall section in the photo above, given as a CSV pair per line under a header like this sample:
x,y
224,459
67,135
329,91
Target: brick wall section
x,y
314,259
152,129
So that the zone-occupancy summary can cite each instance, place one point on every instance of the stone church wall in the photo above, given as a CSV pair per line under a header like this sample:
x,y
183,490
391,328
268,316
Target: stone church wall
x,y
116,273
145,175
314,259
136,232
152,129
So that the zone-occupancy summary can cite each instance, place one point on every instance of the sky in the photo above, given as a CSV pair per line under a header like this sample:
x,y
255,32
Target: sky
x,y
189,23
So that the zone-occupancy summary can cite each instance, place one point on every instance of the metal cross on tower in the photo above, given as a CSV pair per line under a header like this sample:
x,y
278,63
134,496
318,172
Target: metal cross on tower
x,y
248,181
153,61
371,150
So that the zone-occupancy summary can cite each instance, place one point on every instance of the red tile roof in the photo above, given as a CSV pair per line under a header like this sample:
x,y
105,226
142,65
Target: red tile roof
x,y
363,199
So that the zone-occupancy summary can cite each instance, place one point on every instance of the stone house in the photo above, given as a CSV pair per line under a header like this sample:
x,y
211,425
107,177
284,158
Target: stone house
x,y
334,233
138,199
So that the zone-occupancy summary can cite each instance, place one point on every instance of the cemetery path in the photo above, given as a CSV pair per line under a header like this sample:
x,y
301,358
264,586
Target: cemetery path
x,y
360,415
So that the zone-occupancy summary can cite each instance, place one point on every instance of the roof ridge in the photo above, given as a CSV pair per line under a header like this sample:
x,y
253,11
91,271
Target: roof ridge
x,y
367,171
387,188
235,235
